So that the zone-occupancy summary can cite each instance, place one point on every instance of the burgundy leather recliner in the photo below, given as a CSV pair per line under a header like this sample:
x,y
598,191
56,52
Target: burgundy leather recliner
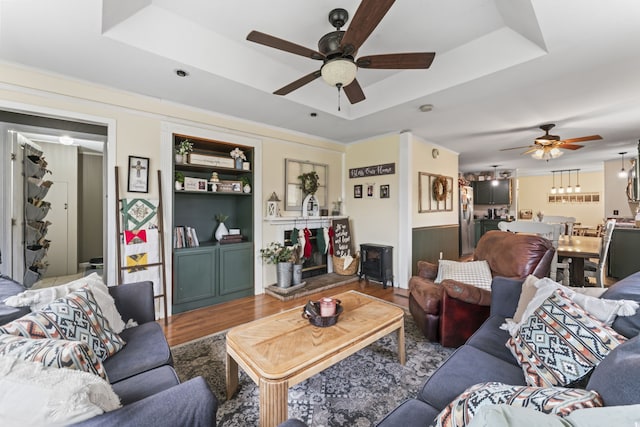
x,y
450,312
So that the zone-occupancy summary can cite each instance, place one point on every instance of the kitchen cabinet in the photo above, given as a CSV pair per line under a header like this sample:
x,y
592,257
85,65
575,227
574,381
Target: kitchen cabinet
x,y
488,225
485,193
623,252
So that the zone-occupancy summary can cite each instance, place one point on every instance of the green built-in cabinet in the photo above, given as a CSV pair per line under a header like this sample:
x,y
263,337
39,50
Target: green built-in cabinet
x,y
213,272
623,252
485,193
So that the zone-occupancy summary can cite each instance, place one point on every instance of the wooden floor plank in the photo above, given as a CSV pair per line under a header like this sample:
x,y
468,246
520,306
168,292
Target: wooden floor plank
x,y
185,327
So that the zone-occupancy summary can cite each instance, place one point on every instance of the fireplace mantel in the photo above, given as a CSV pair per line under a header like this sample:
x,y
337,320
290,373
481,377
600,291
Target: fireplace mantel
x,y
313,221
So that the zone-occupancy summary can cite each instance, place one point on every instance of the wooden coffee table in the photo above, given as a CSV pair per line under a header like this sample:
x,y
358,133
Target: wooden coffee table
x,y
284,349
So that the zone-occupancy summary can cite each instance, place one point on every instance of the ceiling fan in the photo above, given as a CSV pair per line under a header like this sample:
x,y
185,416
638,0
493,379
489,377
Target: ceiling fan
x,y
337,50
549,146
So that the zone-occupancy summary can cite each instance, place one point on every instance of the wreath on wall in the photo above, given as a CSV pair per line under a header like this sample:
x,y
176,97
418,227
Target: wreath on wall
x,y
440,188
309,182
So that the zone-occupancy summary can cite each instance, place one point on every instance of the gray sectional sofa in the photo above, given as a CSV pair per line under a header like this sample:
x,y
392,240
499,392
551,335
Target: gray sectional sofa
x,y
484,358
141,373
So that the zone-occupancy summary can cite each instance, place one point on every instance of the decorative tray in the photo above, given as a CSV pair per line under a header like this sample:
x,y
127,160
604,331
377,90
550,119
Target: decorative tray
x,y
311,311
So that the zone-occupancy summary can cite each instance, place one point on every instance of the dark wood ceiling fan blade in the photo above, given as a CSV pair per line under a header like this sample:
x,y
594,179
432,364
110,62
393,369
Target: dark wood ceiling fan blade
x,y
397,61
518,148
365,20
354,92
276,43
582,139
570,146
298,83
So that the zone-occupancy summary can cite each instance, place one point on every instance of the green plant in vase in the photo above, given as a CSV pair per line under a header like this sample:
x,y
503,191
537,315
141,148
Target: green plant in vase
x,y
183,148
221,230
282,256
179,180
246,184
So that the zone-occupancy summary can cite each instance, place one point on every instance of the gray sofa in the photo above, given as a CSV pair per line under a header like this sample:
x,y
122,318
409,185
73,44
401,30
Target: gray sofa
x,y
142,374
484,357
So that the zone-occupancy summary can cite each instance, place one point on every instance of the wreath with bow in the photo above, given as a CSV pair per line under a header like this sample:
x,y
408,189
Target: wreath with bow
x,y
440,188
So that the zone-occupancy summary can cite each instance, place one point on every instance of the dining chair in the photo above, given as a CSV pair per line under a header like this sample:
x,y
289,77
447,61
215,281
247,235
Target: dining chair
x,y
598,270
548,231
567,221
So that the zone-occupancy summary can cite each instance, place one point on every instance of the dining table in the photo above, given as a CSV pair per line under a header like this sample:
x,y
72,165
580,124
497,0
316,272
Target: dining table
x,y
578,248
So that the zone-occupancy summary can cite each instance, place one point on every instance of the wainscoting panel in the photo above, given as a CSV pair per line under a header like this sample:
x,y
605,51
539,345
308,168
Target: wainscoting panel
x,y
428,242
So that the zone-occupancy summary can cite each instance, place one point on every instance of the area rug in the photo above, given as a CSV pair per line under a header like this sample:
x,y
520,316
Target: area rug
x,y
358,391
312,285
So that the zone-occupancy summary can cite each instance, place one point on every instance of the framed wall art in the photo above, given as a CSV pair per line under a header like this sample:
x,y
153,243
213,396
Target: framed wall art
x,y
435,192
357,191
138,181
384,191
371,190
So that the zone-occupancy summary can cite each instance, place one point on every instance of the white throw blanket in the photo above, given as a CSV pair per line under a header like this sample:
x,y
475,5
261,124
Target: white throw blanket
x,y
34,395
38,298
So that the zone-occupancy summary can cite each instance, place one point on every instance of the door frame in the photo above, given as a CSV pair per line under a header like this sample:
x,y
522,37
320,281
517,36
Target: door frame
x,y
108,170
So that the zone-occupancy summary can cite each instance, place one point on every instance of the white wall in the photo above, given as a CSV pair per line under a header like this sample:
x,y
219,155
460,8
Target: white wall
x,y
533,192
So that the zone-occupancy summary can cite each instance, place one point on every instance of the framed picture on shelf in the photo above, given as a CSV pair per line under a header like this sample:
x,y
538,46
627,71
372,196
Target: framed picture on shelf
x,y
138,181
384,191
357,191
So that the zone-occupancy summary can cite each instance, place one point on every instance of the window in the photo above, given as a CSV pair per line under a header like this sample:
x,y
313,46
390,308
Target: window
x,y
293,195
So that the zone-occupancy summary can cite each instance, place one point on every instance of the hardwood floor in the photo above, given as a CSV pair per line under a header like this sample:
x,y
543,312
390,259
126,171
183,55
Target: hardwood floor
x,y
185,327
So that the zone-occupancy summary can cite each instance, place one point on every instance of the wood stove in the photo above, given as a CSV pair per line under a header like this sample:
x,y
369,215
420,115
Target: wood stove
x,y
376,263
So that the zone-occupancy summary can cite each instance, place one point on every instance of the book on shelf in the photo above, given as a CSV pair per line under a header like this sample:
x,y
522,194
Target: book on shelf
x,y
185,237
231,238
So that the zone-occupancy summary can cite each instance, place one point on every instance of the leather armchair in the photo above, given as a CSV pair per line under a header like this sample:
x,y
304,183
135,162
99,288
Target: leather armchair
x,y
450,312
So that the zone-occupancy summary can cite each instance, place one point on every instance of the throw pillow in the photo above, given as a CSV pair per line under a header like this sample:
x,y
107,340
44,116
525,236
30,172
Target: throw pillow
x,y
605,310
38,298
560,343
53,353
34,395
427,270
555,400
476,273
74,317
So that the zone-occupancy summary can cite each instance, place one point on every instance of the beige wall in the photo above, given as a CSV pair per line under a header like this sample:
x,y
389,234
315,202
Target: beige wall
x,y
615,190
533,192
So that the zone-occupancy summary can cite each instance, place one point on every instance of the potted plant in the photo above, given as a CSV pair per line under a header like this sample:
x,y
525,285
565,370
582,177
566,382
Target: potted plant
x,y
179,180
281,256
238,156
183,148
246,184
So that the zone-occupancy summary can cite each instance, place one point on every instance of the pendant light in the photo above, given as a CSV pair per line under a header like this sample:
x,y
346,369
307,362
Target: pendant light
x,y
561,189
622,173
569,187
577,189
553,188
494,182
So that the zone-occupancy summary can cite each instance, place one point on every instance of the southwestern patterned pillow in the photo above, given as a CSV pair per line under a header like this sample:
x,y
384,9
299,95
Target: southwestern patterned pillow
x,y
54,353
75,317
555,400
560,343
476,273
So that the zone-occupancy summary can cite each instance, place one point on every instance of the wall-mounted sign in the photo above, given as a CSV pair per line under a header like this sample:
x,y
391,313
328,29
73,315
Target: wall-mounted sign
x,y
386,169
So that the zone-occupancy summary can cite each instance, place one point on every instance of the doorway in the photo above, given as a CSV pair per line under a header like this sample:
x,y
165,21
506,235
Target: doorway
x,y
77,172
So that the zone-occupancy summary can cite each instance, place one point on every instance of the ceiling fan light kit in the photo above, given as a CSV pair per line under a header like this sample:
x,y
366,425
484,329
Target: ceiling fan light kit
x,y
337,51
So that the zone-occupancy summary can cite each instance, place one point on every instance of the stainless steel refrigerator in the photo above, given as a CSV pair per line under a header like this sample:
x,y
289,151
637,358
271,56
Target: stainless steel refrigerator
x,y
467,223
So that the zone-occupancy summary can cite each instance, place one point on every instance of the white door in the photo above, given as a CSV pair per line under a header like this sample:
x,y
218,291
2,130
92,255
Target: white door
x,y
58,232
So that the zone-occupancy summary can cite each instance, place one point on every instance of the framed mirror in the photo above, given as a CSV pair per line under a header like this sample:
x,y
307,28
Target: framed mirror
x,y
293,195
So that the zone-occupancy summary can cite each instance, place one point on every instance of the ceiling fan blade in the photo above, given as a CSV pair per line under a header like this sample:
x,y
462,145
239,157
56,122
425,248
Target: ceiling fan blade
x,y
531,150
354,92
582,139
518,148
276,43
298,83
397,61
365,20
570,146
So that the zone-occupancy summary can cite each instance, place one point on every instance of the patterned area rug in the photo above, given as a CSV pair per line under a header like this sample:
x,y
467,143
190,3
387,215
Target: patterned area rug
x,y
358,391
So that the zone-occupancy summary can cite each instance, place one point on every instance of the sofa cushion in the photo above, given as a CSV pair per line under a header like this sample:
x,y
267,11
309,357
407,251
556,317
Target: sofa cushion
x,y
476,273
146,384
627,288
616,377
146,348
491,339
52,353
555,400
560,343
10,288
32,394
411,412
77,316
462,370
36,299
